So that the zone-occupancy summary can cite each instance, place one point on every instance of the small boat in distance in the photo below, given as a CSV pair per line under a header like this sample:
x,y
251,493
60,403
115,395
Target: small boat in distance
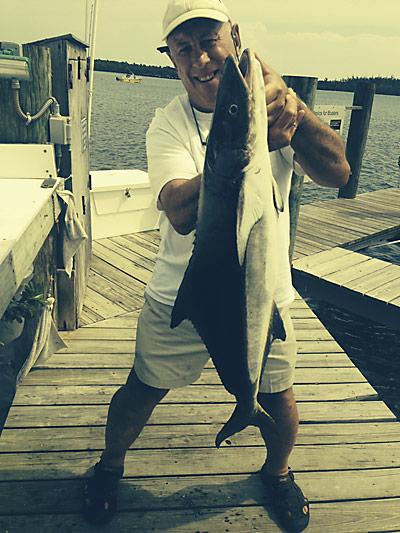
x,y
128,78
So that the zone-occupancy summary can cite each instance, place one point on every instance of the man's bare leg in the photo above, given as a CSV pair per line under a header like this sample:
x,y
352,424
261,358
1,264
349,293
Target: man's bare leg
x,y
130,409
283,409
291,507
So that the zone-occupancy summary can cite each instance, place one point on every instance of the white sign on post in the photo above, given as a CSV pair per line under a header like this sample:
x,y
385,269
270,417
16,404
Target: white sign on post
x,y
333,115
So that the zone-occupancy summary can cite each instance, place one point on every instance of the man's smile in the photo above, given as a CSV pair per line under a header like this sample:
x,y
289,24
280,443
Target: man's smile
x,y
205,78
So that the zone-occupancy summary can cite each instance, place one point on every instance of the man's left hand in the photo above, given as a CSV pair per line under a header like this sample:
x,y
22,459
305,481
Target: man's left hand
x,y
284,113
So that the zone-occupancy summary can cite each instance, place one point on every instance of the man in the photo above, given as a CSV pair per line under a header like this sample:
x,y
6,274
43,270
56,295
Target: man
x,y
200,36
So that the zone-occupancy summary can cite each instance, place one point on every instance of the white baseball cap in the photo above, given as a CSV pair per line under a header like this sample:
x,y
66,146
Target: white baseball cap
x,y
179,11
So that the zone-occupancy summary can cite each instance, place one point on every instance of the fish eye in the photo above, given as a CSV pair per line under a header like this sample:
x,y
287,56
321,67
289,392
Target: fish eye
x,y
233,109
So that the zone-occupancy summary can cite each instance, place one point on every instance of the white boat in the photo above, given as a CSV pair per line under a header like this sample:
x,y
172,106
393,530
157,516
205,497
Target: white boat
x,y
128,78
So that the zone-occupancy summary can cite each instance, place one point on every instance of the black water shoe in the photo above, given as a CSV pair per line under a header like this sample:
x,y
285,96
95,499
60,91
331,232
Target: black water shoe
x,y
291,507
100,494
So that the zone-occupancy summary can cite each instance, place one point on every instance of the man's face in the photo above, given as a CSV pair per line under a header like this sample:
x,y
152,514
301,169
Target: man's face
x,y
198,49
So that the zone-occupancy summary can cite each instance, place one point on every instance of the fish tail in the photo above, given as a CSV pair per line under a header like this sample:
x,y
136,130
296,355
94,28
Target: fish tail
x,y
241,418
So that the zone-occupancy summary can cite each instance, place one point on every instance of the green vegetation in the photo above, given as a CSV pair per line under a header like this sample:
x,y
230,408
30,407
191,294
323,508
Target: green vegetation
x,y
123,67
389,86
383,85
26,305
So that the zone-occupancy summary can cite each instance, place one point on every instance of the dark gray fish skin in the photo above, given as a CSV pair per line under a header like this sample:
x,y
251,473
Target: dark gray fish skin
x,y
227,290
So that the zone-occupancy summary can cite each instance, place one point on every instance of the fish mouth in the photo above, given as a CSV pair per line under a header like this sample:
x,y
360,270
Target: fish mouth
x,y
244,64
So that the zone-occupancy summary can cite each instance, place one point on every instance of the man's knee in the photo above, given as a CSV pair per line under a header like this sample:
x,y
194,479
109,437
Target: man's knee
x,y
277,399
138,392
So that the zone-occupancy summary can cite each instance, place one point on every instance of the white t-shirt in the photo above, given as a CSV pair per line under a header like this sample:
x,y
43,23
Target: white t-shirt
x,y
174,151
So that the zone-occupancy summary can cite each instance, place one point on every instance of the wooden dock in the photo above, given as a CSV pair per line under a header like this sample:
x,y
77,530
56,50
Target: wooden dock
x,y
354,224
347,456
326,265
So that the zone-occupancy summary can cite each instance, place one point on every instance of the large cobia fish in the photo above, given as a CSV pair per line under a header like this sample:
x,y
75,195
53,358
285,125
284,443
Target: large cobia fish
x,y
228,288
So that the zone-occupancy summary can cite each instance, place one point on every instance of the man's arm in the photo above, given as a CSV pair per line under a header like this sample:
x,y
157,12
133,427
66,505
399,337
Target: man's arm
x,y
179,199
320,151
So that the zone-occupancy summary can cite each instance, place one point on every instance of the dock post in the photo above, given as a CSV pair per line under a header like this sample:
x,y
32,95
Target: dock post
x,y
33,94
70,80
306,88
357,136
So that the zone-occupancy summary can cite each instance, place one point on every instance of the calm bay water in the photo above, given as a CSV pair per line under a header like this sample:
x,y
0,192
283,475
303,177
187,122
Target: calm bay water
x,y
121,116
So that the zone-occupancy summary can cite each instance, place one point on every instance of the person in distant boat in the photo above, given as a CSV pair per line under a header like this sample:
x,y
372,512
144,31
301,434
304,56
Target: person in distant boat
x,y
199,36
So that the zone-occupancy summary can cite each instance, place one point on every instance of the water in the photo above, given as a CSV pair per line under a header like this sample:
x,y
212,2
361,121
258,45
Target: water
x,y
121,116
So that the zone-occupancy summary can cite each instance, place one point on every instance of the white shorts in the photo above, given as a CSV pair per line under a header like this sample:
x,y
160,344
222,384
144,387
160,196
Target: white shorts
x,y
169,358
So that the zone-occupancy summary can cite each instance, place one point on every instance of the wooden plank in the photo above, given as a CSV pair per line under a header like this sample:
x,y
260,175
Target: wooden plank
x,y
88,316
336,229
388,291
121,321
336,265
135,246
114,275
375,515
125,360
371,308
357,517
327,231
199,461
175,493
326,263
341,215
94,376
95,415
101,305
137,238
95,395
123,297
395,302
124,346
371,268
44,439
121,263
373,281
103,333
126,252
322,258
31,233
344,209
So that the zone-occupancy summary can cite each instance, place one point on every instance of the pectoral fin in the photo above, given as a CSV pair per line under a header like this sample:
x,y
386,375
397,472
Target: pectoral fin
x,y
184,299
278,200
250,211
277,327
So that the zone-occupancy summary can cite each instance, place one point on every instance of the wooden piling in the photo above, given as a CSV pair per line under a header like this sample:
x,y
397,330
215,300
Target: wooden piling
x,y
357,136
33,94
70,86
306,88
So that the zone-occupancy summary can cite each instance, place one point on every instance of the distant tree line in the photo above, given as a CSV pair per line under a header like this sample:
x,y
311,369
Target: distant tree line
x,y
123,67
383,85
389,86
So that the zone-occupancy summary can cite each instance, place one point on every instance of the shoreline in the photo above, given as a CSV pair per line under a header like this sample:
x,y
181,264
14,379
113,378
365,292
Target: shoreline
x,y
384,86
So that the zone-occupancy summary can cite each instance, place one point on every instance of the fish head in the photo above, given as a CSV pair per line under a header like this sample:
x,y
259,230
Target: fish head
x,y
228,139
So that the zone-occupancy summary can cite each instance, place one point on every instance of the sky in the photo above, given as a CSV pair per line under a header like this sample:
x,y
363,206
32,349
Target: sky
x,y
323,38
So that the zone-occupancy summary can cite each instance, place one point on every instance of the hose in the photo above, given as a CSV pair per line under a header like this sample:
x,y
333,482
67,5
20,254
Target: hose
x,y
27,117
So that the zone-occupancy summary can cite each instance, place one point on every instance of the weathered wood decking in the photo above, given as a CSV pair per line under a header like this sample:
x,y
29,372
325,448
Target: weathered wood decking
x,y
326,265
354,224
361,284
347,456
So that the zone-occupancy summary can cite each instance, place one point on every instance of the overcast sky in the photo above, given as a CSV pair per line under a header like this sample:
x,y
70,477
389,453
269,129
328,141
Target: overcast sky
x,y
324,38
